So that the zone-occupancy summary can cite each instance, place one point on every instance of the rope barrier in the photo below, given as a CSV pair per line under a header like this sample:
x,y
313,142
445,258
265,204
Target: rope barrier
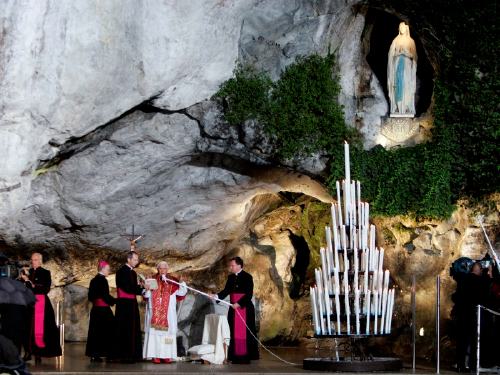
x,y
490,310
243,320
480,220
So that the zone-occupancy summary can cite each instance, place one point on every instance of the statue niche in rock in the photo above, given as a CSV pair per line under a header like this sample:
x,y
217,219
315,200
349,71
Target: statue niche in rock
x,y
402,73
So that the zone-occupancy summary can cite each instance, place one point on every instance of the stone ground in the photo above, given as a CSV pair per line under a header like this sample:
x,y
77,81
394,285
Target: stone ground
x,y
74,362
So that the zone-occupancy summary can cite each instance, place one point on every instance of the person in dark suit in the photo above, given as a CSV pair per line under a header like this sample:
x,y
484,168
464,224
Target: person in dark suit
x,y
128,321
44,340
241,317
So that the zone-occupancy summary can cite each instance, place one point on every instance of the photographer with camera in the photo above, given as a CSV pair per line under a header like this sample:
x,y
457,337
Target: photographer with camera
x,y
473,289
15,302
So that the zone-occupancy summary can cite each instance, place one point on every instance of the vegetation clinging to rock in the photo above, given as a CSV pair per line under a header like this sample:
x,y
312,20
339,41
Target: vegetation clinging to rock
x,y
301,114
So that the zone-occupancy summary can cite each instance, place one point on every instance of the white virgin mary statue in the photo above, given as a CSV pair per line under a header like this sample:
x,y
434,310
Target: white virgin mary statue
x,y
402,73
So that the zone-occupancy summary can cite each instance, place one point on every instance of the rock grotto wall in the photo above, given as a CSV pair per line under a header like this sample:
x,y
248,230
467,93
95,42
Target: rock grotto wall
x,y
106,122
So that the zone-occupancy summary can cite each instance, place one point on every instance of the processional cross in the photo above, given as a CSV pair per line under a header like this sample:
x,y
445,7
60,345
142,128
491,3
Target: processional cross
x,y
133,238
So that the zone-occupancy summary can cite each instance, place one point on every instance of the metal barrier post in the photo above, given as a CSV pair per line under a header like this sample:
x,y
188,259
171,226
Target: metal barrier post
x,y
438,312
478,347
60,323
413,320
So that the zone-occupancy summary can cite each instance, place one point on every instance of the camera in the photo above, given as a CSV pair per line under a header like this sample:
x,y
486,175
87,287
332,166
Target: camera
x,y
12,269
464,265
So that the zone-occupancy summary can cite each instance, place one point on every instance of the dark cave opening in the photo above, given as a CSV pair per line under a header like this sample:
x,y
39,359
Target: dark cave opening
x,y
299,269
384,28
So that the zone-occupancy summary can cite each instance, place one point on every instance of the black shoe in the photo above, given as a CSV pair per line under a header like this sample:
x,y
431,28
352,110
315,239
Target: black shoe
x,y
27,357
38,359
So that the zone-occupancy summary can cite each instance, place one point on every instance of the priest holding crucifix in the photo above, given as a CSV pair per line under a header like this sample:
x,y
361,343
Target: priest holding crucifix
x,y
160,341
239,287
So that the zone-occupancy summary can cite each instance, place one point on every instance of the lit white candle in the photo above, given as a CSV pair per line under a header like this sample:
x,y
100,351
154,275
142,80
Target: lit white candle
x,y
336,257
370,261
367,223
367,275
337,294
353,203
324,287
334,226
367,214
356,309
312,294
351,245
384,301
346,293
343,234
362,259
330,278
347,162
358,204
381,259
389,323
356,267
345,192
320,299
368,312
329,255
376,255
339,203
372,236
328,311
346,261
388,312
347,308
380,280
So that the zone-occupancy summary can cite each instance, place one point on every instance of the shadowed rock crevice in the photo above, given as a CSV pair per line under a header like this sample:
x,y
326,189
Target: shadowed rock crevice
x,y
76,145
299,269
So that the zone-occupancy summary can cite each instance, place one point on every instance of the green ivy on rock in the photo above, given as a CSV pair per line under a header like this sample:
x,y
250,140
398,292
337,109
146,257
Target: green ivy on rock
x,y
296,112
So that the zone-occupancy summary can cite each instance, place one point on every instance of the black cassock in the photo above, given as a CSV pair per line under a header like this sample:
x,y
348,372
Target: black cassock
x,y
48,345
128,322
101,337
242,283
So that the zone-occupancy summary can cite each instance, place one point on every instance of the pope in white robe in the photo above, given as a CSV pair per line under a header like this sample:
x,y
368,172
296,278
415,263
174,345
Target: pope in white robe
x,y
160,341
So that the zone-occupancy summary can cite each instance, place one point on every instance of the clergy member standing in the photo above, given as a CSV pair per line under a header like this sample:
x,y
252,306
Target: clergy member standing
x,y
128,322
160,327
102,330
44,332
239,286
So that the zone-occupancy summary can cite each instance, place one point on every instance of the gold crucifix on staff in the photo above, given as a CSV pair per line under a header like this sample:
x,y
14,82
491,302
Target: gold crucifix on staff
x,y
133,238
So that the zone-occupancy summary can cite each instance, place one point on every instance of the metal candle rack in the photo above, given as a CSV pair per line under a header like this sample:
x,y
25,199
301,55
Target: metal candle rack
x,y
352,297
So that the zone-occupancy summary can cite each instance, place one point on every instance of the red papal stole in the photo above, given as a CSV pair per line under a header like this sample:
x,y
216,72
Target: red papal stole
x,y
160,300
